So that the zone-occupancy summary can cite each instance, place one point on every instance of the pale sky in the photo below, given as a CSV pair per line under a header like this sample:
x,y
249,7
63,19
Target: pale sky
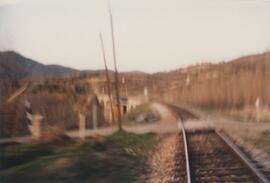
x,y
151,35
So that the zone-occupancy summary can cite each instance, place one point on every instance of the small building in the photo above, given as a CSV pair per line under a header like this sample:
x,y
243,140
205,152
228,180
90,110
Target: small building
x,y
126,104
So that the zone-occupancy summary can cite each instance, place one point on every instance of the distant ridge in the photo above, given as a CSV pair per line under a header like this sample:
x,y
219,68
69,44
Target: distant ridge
x,y
15,66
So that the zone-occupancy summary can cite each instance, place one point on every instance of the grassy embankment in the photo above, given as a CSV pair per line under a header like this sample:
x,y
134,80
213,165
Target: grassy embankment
x,y
262,141
120,157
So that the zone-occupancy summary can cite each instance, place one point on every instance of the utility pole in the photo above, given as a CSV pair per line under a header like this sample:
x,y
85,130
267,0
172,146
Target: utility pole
x,y
115,74
125,84
107,77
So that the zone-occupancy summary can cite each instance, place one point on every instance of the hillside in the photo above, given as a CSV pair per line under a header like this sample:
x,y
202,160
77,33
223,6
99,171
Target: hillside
x,y
16,66
234,84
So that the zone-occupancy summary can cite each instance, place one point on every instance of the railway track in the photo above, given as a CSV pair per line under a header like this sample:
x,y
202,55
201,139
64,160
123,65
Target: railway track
x,y
211,157
213,160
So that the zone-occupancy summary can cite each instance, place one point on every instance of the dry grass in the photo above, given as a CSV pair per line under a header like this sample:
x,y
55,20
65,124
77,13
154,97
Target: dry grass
x,y
249,114
234,85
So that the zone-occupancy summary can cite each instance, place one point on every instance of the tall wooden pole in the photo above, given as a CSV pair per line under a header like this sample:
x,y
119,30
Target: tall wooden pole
x,y
115,73
107,77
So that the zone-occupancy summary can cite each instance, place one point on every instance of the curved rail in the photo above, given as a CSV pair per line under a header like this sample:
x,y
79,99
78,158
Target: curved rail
x,y
186,150
182,128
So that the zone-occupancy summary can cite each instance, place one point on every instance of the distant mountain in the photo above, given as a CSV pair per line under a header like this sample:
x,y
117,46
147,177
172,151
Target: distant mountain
x,y
16,66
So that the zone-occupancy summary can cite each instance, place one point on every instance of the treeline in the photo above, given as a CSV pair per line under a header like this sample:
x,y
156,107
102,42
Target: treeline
x,y
8,86
235,84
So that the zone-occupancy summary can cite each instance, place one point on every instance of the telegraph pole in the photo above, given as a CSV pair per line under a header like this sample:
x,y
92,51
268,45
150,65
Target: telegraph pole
x,y
107,77
115,73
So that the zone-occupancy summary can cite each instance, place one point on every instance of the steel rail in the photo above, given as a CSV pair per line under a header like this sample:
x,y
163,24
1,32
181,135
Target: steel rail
x,y
185,144
186,154
243,157
186,149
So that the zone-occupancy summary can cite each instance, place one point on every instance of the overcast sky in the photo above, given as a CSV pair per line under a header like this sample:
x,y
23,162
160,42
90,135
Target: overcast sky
x,y
151,35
